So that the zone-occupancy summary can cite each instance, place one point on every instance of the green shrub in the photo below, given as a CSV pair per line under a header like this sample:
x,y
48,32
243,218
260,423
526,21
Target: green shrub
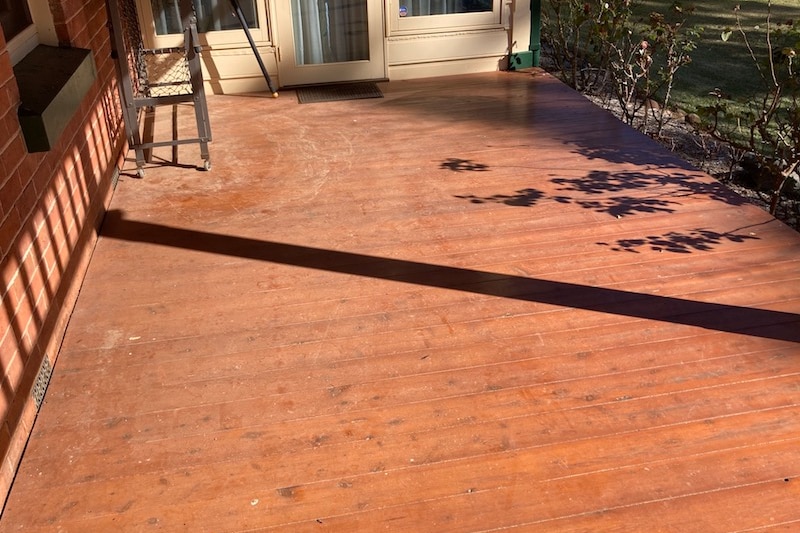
x,y
598,46
766,125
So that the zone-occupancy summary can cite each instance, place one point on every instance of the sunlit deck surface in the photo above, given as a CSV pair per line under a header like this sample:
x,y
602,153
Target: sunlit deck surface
x,y
478,303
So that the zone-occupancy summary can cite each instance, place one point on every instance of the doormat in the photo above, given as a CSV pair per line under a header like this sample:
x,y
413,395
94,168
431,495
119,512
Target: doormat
x,y
333,93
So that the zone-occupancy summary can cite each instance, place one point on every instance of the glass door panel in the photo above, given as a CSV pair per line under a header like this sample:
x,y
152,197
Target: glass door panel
x,y
326,41
330,32
212,15
416,8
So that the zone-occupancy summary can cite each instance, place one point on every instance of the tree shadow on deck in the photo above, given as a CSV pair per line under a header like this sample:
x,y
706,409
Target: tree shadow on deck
x,y
522,198
674,185
699,239
660,193
712,316
463,165
599,192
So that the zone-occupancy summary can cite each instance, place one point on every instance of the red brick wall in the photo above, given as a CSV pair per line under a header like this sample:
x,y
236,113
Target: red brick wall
x,y
50,206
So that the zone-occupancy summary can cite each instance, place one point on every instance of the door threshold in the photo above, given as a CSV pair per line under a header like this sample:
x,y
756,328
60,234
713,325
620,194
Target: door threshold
x,y
333,83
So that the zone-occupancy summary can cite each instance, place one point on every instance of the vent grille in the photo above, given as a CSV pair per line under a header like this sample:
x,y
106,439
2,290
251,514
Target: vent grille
x,y
114,179
42,380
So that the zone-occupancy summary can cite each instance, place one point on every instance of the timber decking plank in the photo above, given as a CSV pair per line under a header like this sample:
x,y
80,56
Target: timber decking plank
x,y
520,416
571,479
408,314
327,377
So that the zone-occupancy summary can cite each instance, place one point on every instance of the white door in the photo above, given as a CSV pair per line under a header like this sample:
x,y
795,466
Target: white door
x,y
326,41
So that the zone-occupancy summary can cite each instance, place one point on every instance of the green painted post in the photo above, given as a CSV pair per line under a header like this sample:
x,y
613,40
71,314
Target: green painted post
x,y
536,31
530,58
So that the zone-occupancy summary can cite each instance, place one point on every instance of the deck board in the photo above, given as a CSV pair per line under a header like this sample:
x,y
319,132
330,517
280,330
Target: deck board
x,y
477,304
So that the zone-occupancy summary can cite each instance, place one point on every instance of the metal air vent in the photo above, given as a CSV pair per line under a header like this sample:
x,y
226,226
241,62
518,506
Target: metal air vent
x,y
42,380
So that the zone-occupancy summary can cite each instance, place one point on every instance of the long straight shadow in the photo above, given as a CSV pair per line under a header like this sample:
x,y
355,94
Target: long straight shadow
x,y
720,317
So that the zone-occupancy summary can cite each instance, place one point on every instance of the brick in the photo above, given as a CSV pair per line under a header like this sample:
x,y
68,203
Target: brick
x,y
26,201
5,321
50,216
51,262
54,280
72,234
79,202
66,204
48,202
21,416
30,165
6,100
5,439
76,29
25,238
55,223
97,22
9,123
14,153
10,188
41,177
59,221
106,68
101,44
6,69
64,248
9,229
67,168
8,465
45,243
13,372
38,219
34,327
15,294
57,184
37,285
9,268
74,7
16,369
12,93
9,348
10,191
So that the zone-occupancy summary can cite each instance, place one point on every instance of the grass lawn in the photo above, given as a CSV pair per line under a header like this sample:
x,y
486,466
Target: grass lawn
x,y
715,63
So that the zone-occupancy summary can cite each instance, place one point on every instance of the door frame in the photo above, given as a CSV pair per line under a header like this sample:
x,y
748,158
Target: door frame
x,y
292,75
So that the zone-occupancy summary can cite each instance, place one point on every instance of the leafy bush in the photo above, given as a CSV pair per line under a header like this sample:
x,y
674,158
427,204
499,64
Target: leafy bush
x,y
601,45
569,27
767,126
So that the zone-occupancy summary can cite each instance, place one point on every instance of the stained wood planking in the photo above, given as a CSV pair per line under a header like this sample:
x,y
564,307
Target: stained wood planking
x,y
477,304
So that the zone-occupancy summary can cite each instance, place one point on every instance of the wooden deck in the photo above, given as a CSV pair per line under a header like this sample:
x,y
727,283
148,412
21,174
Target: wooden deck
x,y
476,304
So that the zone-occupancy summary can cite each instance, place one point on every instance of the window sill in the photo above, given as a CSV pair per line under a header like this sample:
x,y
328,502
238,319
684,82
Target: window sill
x,y
52,84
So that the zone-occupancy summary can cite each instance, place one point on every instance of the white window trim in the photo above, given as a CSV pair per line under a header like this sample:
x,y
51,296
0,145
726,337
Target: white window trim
x,y
214,39
441,23
42,31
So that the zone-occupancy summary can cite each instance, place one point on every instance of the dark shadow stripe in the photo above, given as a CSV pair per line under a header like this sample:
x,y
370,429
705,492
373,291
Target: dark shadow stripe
x,y
712,316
